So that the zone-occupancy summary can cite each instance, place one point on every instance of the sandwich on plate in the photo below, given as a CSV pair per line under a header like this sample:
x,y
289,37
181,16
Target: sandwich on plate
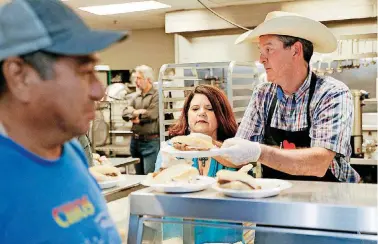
x,y
100,160
182,173
236,180
193,142
105,173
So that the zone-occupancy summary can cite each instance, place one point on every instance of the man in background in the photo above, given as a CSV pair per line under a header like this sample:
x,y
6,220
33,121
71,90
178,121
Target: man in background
x,y
145,143
48,88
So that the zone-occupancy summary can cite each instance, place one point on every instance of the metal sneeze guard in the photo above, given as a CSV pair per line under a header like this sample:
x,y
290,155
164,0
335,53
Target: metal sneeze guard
x,y
309,212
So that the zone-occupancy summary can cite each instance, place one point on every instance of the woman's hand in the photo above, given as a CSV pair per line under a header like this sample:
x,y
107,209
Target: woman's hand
x,y
217,143
225,162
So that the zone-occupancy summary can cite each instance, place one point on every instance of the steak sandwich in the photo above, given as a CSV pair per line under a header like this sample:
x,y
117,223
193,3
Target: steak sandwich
x,y
193,142
175,173
104,172
236,180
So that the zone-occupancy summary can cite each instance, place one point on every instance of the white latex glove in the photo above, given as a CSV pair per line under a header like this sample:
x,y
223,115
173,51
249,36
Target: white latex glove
x,y
239,151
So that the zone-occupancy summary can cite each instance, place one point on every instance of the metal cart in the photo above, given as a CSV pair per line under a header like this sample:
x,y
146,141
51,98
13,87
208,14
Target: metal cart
x,y
110,133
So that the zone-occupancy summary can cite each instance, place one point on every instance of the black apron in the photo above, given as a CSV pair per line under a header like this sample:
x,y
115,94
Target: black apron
x,y
289,139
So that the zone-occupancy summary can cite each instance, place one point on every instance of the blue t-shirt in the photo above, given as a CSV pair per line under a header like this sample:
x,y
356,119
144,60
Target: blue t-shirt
x,y
45,201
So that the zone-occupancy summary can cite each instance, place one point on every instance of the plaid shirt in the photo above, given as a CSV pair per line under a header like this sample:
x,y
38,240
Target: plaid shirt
x,y
331,114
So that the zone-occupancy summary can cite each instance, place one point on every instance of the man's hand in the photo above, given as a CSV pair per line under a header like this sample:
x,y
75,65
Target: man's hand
x,y
239,151
136,120
137,112
226,161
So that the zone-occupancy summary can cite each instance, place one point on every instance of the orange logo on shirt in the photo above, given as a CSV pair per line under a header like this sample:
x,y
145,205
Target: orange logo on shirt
x,y
73,212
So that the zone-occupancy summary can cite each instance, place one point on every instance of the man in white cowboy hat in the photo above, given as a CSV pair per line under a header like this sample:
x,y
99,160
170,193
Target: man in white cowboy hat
x,y
296,109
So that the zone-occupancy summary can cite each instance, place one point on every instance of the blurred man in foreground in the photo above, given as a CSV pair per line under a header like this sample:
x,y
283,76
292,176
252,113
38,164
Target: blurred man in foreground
x,y
48,89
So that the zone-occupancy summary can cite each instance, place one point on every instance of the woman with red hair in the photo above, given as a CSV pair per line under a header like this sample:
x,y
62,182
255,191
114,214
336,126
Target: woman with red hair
x,y
215,106
207,111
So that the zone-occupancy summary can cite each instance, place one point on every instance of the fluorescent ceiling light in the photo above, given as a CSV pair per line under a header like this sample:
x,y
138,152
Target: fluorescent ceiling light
x,y
102,67
124,7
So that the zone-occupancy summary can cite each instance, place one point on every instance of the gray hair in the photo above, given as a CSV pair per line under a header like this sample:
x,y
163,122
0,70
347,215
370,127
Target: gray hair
x,y
308,47
147,71
42,62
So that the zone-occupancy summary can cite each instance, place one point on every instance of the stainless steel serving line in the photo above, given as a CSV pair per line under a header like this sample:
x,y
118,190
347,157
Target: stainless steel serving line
x,y
349,209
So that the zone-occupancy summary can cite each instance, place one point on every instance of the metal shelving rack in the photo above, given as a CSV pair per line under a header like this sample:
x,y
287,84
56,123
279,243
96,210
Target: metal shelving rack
x,y
236,79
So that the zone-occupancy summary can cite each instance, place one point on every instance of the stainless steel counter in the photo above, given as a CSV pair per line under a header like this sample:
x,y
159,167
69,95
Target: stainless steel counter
x,y
128,184
120,162
310,205
124,162
361,161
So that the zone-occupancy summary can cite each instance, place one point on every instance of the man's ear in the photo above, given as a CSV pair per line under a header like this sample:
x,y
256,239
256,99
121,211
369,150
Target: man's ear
x,y
297,47
17,75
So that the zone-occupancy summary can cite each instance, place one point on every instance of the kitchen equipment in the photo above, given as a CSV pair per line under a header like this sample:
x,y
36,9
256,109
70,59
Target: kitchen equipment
x,y
369,147
111,134
356,139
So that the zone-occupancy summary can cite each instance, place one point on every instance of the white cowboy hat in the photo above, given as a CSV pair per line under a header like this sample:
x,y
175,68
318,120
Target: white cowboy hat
x,y
290,24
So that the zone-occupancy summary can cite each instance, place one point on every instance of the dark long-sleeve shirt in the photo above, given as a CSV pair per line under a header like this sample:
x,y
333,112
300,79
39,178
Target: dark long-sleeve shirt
x,y
149,122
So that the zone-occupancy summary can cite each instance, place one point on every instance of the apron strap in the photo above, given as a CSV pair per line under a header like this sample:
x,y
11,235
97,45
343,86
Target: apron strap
x,y
271,110
310,95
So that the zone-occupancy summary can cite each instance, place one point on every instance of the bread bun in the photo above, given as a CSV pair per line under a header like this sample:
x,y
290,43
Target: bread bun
x,y
96,156
226,179
177,173
194,141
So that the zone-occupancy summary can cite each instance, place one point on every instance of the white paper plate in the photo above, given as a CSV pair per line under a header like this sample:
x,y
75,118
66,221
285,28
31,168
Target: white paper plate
x,y
191,154
109,183
270,187
201,183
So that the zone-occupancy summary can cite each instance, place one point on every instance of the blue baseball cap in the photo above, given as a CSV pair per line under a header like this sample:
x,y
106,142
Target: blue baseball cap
x,y
48,25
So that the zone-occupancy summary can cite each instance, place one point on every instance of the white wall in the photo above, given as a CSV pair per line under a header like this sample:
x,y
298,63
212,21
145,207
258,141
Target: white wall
x,y
152,47
218,46
213,46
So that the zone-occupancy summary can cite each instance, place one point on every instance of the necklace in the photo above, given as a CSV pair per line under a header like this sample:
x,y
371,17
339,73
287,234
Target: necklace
x,y
203,161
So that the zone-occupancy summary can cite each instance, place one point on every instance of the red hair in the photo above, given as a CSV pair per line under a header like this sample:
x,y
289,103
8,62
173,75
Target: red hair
x,y
227,126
